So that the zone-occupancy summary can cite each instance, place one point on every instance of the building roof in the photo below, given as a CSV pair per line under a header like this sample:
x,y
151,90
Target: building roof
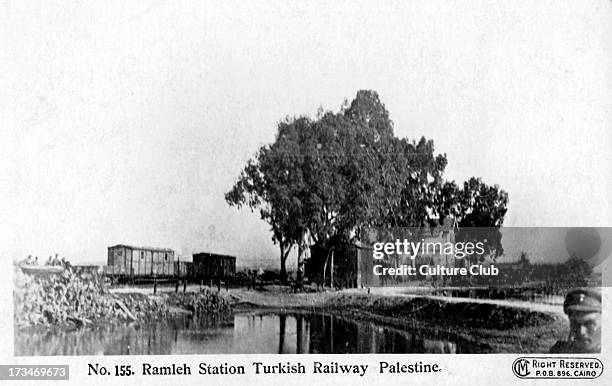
x,y
208,254
153,249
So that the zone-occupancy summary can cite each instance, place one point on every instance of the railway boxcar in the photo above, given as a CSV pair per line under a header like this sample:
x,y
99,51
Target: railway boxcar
x,y
131,262
207,266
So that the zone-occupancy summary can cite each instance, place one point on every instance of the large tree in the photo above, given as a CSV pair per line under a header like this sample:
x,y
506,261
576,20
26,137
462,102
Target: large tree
x,y
272,183
323,180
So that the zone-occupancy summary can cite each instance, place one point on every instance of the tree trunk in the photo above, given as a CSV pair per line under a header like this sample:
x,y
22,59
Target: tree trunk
x,y
300,266
331,270
330,253
283,260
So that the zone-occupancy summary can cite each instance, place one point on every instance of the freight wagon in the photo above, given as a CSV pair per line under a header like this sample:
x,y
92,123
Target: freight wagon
x,y
130,263
212,266
127,263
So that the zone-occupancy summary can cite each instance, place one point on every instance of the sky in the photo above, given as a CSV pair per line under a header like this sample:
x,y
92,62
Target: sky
x,y
127,122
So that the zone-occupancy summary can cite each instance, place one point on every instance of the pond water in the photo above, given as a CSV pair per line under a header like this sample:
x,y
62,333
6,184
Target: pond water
x,y
252,332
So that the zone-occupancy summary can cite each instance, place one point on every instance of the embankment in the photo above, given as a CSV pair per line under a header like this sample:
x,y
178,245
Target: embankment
x,y
503,328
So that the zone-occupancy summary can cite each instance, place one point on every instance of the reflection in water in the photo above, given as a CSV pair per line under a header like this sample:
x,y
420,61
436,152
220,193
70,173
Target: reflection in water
x,y
246,333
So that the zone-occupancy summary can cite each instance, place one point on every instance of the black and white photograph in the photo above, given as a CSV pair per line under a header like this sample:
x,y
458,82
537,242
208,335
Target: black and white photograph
x,y
206,188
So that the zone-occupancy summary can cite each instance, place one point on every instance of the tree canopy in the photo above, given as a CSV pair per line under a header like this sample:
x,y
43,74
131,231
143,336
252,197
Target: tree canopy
x,y
327,178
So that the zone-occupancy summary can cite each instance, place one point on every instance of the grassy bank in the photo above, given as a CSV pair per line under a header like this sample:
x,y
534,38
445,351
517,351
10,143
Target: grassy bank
x,y
501,328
